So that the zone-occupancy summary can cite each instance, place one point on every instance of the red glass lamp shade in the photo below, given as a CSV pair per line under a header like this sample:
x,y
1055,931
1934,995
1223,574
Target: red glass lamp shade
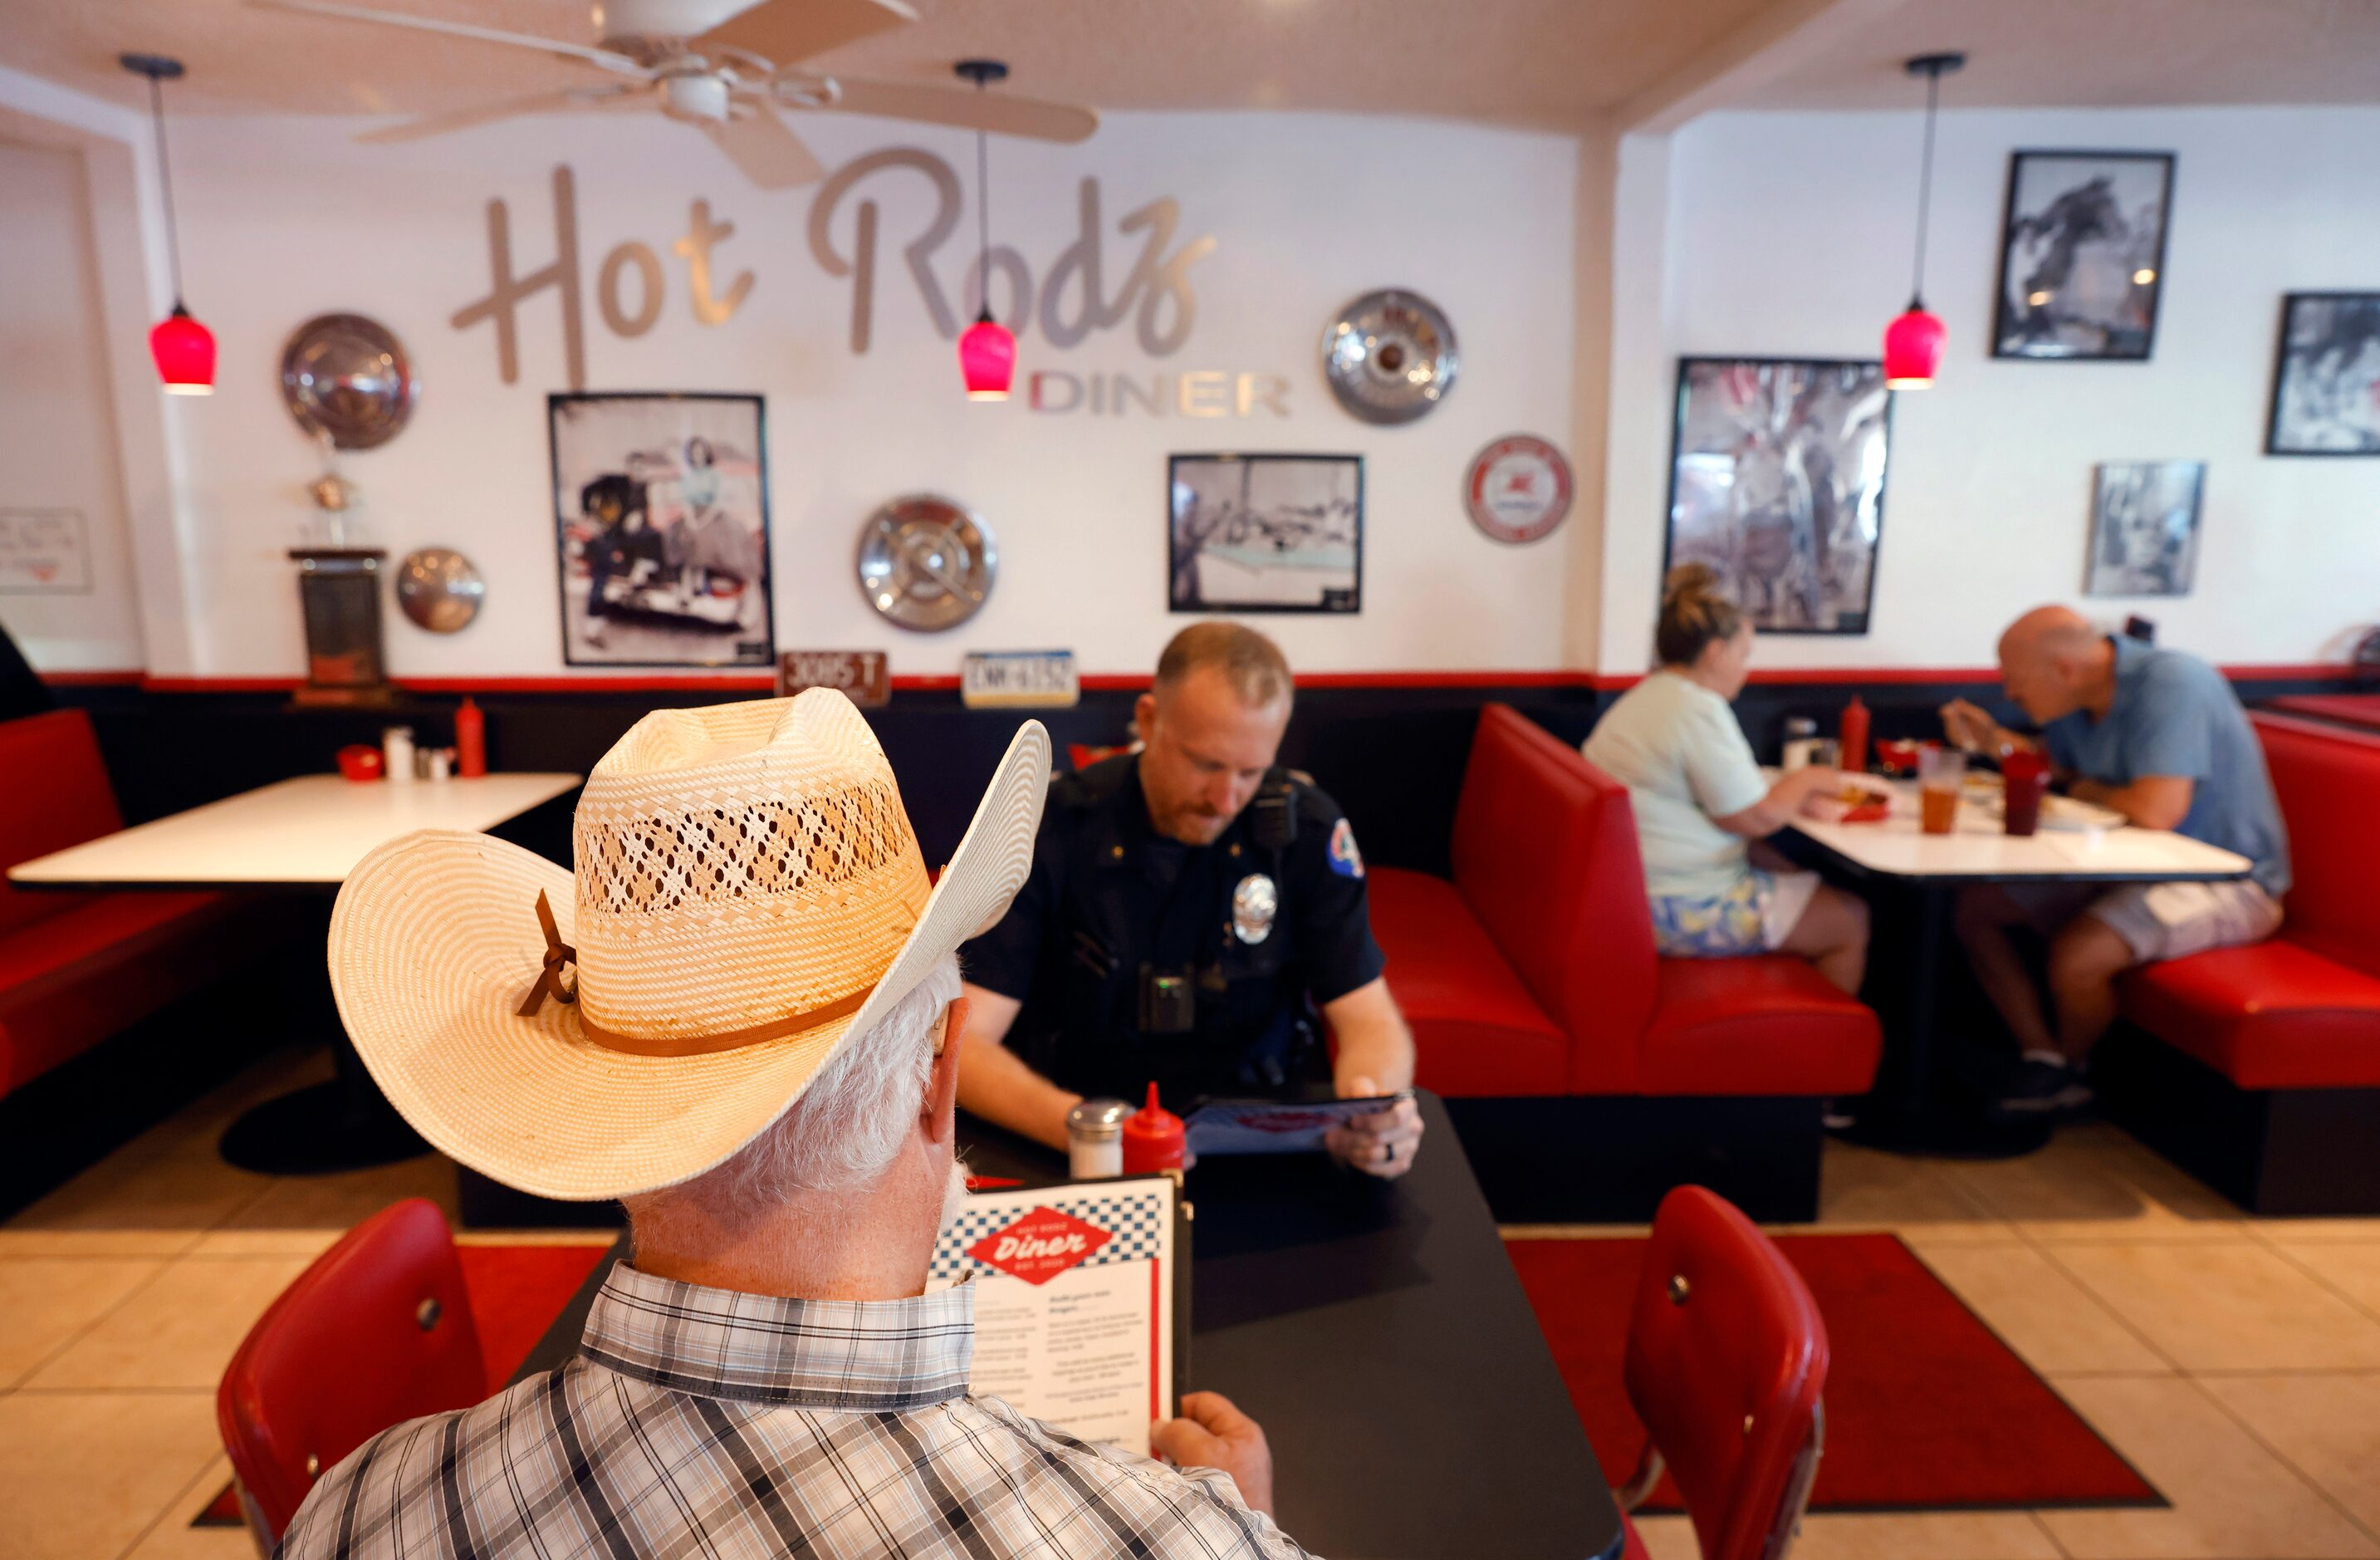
x,y
1912,349
988,358
185,351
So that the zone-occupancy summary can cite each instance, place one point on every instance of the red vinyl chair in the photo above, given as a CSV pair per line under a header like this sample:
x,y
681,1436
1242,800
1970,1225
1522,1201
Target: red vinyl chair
x,y
376,1332
1727,1355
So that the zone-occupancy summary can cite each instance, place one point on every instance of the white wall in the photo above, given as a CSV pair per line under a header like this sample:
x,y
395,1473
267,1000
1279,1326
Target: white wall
x,y
58,435
282,218
1789,234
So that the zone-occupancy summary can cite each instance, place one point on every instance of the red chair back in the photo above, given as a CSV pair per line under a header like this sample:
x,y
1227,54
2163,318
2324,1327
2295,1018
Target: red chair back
x,y
58,796
2325,779
1545,853
1727,1355
377,1332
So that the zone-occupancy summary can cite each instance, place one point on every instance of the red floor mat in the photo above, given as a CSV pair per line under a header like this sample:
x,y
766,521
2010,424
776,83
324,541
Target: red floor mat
x,y
1927,1409
517,1291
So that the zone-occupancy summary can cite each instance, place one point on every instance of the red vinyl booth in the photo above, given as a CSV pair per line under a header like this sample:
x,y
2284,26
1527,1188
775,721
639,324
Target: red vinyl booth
x,y
1532,973
378,1331
78,968
1727,1357
2281,1110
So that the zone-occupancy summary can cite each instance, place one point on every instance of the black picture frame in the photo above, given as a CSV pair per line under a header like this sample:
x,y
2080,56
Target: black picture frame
x,y
2040,327
1339,479
2145,528
2290,423
1774,604
670,609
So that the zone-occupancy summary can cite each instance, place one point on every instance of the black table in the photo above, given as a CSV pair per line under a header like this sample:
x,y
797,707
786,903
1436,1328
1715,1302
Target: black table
x,y
1379,1333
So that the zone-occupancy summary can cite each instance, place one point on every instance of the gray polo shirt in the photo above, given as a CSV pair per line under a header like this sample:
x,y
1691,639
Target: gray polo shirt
x,y
2176,716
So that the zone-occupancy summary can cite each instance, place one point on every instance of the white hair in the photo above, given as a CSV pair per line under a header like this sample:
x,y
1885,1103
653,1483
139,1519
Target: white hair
x,y
847,1126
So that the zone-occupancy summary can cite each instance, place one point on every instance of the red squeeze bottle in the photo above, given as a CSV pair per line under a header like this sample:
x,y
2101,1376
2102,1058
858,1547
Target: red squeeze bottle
x,y
1152,1138
470,740
1853,739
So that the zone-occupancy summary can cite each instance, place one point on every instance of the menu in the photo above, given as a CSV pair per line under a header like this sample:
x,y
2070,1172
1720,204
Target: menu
x,y
1081,1295
1221,1127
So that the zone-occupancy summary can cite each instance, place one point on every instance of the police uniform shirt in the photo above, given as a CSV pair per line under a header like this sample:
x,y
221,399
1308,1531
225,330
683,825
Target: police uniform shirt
x,y
1108,895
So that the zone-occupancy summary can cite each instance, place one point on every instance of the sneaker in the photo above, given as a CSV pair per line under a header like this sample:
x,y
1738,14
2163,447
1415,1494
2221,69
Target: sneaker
x,y
1838,1114
2040,1089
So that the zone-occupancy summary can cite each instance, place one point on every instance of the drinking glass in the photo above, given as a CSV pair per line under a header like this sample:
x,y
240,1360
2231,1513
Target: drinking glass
x,y
2025,781
1940,773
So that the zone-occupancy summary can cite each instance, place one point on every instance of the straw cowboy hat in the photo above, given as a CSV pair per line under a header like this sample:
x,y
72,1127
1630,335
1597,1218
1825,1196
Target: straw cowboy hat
x,y
748,892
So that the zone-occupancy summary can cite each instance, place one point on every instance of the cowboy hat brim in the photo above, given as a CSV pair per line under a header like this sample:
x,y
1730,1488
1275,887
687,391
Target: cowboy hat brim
x,y
431,947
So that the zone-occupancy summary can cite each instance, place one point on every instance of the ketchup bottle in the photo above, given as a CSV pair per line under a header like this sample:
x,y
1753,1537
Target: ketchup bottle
x,y
1152,1138
1853,739
470,740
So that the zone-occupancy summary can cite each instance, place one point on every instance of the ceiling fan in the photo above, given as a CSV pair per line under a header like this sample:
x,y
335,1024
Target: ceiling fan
x,y
726,67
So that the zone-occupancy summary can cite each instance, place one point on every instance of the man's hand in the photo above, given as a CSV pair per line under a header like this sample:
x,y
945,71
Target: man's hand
x,y
1383,1143
1969,727
1213,1433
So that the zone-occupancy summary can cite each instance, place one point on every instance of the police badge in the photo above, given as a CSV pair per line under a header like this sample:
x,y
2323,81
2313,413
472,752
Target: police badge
x,y
1254,904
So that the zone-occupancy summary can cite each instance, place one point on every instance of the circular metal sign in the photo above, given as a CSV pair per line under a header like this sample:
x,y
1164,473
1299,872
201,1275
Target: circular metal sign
x,y
927,563
346,377
1518,489
439,590
1390,357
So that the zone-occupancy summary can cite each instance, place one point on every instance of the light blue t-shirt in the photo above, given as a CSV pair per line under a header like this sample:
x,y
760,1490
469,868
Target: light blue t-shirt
x,y
2176,716
1676,746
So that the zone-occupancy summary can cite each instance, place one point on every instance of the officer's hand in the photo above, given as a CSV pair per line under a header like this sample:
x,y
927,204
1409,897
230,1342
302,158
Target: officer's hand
x,y
1213,1433
1381,1144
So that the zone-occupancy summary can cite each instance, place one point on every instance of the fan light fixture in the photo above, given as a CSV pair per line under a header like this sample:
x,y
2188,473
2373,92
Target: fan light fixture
x,y
1913,343
184,349
987,349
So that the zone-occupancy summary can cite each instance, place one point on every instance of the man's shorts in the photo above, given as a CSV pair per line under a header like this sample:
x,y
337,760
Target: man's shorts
x,y
2157,920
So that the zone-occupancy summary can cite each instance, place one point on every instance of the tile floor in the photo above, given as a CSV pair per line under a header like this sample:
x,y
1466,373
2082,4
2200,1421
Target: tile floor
x,y
2236,1362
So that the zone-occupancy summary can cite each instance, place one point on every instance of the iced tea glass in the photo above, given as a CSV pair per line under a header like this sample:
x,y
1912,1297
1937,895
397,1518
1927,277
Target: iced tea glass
x,y
2024,780
1940,773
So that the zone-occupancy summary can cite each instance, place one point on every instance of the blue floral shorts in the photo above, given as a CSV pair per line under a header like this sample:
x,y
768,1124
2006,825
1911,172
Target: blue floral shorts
x,y
1754,917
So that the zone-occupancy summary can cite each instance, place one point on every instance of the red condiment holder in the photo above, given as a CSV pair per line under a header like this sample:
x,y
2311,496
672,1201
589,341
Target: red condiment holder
x,y
358,761
1152,1138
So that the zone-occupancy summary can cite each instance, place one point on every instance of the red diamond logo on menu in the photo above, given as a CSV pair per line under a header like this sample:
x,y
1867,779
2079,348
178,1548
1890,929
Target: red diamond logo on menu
x,y
1041,1246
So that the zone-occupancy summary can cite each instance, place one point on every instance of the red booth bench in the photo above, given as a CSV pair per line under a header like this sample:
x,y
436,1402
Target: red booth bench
x,y
76,968
2263,1077
1586,1075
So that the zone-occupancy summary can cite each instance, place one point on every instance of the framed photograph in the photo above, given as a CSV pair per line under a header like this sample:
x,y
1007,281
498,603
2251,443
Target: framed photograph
x,y
660,511
2144,527
1265,533
2326,376
1777,483
2082,255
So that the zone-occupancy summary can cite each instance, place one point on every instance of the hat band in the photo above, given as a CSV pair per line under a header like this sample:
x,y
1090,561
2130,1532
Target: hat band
x,y
549,984
730,1040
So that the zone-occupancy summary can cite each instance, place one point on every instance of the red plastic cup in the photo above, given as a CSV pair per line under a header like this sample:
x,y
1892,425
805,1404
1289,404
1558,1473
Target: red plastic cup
x,y
358,761
2025,781
1152,1138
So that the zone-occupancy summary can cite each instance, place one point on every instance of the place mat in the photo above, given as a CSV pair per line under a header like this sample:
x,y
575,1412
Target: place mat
x,y
1926,1409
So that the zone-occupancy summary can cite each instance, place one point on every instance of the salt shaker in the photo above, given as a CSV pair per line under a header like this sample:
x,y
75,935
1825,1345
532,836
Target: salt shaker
x,y
1095,1139
442,763
397,748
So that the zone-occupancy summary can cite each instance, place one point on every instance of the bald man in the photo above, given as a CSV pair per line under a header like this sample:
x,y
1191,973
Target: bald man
x,y
2160,738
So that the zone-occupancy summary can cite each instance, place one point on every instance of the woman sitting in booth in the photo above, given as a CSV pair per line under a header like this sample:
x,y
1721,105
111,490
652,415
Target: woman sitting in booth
x,y
1701,801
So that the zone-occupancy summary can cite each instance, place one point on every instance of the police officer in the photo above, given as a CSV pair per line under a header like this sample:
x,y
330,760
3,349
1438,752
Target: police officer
x,y
1189,908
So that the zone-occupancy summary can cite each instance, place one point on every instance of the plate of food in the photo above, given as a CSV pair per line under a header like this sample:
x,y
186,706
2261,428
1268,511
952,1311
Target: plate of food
x,y
1852,802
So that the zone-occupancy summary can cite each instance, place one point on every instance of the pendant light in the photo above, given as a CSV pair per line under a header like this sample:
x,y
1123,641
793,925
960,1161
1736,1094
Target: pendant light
x,y
1912,344
184,349
987,349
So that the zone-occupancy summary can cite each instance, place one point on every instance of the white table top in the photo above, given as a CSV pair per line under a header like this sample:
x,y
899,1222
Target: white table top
x,y
1977,848
308,832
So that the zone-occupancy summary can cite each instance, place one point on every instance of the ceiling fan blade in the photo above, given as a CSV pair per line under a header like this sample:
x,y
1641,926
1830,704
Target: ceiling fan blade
x,y
785,31
967,108
771,155
429,125
619,63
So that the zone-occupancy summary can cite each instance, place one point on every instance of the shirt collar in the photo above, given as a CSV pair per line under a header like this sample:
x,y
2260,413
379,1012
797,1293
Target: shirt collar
x,y
865,1356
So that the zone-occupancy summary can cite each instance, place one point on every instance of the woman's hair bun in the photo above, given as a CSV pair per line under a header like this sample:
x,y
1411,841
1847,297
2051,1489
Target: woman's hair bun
x,y
1688,579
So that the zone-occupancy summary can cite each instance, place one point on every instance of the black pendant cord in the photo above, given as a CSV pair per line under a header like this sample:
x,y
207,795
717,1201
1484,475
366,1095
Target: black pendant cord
x,y
166,186
983,225
1925,191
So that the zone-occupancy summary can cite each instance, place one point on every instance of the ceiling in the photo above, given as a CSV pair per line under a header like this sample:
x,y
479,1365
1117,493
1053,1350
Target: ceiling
x,y
1542,63
1548,63
2102,53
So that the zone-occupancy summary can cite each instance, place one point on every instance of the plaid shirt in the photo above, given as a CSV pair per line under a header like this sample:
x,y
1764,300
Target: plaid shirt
x,y
709,1423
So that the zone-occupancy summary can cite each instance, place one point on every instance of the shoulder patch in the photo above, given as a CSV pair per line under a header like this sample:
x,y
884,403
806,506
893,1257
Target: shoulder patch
x,y
1345,860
